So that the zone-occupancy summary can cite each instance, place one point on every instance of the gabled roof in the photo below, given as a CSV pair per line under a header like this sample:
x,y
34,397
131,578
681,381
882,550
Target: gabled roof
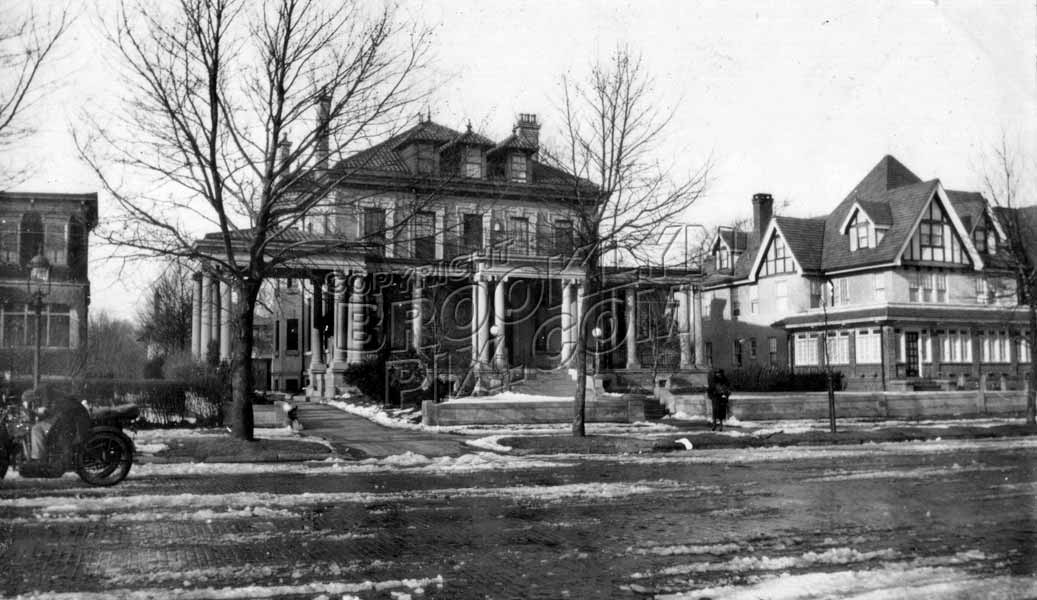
x,y
970,207
805,240
904,204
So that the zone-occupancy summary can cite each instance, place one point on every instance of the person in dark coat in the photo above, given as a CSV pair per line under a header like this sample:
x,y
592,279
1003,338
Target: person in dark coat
x,y
63,423
719,390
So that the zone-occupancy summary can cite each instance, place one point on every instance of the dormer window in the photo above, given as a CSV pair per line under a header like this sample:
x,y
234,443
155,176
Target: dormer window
x,y
723,259
860,233
473,163
517,166
426,159
984,237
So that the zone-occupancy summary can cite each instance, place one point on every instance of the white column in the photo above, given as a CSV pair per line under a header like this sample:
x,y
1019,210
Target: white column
x,y
417,294
631,338
206,318
341,319
700,337
196,317
578,311
500,356
484,322
316,317
356,322
225,319
683,327
567,320
475,322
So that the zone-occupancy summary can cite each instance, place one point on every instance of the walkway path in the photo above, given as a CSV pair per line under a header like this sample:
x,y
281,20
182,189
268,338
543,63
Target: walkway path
x,y
348,431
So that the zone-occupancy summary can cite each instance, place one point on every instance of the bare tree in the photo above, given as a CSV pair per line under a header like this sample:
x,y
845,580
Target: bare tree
x,y
27,39
215,87
112,350
1003,180
165,321
614,127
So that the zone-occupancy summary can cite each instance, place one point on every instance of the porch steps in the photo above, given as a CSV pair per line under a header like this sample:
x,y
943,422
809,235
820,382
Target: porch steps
x,y
547,383
654,410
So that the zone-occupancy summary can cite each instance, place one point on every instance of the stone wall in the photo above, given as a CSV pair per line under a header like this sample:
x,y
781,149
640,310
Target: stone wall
x,y
622,408
877,405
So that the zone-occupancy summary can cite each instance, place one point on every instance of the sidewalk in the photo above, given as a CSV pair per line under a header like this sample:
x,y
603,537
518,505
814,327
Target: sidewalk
x,y
358,437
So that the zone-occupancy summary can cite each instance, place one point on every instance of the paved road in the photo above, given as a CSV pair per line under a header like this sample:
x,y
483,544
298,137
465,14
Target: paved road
x,y
345,430
926,519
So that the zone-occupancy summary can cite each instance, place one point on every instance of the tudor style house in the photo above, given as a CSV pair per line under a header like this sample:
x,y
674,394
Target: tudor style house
x,y
54,226
905,285
451,246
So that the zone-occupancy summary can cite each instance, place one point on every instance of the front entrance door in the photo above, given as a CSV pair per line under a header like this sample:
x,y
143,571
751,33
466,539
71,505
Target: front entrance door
x,y
911,353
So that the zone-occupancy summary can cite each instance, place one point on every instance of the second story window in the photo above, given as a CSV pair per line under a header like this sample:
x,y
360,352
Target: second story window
x,y
518,168
471,233
8,240
473,163
754,300
425,235
519,235
879,286
374,227
563,233
291,335
31,237
816,293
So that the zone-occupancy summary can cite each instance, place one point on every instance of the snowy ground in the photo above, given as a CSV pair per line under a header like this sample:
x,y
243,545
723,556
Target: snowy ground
x,y
933,519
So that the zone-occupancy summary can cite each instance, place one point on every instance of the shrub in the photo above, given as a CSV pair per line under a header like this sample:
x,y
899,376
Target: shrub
x,y
775,379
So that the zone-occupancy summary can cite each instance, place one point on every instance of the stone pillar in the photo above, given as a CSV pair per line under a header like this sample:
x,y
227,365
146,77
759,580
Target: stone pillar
x,y
417,297
890,351
206,318
684,327
578,326
631,301
500,354
567,320
225,320
482,287
196,317
699,331
356,318
341,319
317,368
475,323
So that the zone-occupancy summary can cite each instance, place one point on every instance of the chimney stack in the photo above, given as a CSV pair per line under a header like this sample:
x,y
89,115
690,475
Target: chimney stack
x,y
322,144
285,148
528,128
763,209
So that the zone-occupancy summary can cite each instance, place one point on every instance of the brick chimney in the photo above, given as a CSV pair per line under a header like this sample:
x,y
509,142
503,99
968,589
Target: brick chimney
x,y
285,151
763,209
322,144
528,128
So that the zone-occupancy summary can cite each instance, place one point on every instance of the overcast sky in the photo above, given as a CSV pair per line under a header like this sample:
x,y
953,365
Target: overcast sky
x,y
798,99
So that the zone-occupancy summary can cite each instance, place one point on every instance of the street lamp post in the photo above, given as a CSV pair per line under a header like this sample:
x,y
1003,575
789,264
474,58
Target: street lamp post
x,y
38,287
597,332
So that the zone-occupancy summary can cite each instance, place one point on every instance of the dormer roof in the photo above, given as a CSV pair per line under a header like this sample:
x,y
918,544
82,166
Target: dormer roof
x,y
469,138
515,142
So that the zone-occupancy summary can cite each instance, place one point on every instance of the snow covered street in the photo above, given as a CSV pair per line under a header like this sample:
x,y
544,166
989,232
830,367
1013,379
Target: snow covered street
x,y
910,520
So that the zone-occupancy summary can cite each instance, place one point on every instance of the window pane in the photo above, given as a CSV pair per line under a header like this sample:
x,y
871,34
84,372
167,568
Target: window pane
x,y
8,240
56,247
14,326
58,335
472,232
424,235
291,334
519,235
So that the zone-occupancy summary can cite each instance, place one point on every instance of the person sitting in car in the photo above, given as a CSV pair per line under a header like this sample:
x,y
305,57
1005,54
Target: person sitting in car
x,y
62,421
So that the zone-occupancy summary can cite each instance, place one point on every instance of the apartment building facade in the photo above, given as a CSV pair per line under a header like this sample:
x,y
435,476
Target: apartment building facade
x,y
56,227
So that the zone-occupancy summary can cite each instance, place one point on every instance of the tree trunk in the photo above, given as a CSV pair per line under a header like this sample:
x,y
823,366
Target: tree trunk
x,y
242,376
584,333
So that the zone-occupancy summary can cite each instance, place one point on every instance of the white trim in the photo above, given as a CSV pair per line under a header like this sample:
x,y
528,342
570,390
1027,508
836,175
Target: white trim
x,y
761,252
948,209
855,209
989,211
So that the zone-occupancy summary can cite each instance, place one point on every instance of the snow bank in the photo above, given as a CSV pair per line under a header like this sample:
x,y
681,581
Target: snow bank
x,y
489,443
400,419
884,583
416,586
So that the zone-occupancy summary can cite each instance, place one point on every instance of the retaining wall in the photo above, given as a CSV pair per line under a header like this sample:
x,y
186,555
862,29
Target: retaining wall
x,y
608,408
878,405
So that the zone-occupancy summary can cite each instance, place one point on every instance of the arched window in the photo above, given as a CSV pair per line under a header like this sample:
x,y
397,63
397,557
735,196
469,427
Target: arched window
x,y
31,236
